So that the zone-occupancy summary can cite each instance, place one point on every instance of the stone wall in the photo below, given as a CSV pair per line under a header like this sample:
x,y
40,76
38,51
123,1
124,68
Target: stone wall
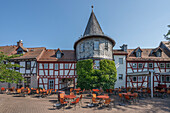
x,y
89,52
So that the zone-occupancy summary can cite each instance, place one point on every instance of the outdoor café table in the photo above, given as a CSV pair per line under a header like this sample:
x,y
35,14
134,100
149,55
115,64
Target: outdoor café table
x,y
103,97
77,89
96,90
70,97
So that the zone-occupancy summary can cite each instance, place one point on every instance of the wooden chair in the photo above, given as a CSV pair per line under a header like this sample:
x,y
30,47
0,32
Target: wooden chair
x,y
95,102
71,89
110,91
128,99
62,102
71,93
135,98
81,96
128,93
82,91
94,95
77,92
107,102
62,95
76,102
120,97
2,90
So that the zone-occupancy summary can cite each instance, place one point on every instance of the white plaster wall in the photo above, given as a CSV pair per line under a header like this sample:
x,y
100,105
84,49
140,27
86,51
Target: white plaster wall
x,y
121,69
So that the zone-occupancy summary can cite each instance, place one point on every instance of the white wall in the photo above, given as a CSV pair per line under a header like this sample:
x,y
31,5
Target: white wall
x,y
121,69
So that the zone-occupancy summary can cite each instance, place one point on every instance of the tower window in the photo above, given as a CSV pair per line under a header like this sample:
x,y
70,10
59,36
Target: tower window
x,y
96,64
96,45
106,45
82,49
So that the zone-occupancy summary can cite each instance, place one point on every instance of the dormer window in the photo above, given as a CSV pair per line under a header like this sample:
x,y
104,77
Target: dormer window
x,y
19,50
158,54
138,54
59,53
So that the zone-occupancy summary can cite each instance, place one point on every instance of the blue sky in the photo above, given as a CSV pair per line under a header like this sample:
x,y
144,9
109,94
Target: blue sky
x,y
59,23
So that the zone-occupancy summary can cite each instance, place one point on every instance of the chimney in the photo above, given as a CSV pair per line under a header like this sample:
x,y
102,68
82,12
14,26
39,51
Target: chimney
x,y
124,47
19,43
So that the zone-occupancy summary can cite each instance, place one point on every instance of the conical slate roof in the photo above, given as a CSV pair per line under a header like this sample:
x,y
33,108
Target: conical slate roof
x,y
93,27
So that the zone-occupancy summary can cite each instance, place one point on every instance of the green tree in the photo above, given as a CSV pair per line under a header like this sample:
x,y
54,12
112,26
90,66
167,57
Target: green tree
x,y
167,35
7,71
89,78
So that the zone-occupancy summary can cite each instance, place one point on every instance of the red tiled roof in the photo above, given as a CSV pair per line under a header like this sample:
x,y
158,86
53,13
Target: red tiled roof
x,y
147,56
8,50
32,53
167,44
119,52
49,55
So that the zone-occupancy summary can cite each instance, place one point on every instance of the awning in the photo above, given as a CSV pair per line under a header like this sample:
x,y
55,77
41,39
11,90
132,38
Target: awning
x,y
143,73
165,73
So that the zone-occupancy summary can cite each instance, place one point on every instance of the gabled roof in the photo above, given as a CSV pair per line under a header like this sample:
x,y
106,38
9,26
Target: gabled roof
x,y
156,49
33,53
146,56
119,52
167,44
49,55
93,27
137,49
59,50
8,50
23,48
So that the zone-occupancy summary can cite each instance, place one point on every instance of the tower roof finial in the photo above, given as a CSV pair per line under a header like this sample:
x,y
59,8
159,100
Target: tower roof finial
x,y
92,7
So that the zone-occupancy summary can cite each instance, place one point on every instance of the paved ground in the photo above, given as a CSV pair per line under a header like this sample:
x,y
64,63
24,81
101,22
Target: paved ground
x,y
32,104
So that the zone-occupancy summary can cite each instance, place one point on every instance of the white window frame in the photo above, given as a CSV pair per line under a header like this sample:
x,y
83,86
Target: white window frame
x,y
133,78
120,77
158,54
120,60
96,66
134,65
149,65
56,66
167,65
45,65
140,64
162,65
82,49
106,45
66,66
58,55
138,54
96,45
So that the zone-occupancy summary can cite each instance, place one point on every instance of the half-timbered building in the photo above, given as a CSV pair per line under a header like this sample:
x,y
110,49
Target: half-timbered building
x,y
27,62
142,62
57,69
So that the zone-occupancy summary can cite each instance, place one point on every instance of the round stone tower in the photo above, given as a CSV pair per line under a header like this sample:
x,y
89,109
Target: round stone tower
x,y
94,44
